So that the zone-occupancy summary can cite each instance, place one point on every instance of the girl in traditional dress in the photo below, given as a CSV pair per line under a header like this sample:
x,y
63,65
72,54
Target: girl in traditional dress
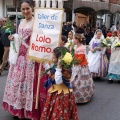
x,y
81,79
70,40
70,36
97,59
21,85
114,66
60,103
114,36
112,39
63,41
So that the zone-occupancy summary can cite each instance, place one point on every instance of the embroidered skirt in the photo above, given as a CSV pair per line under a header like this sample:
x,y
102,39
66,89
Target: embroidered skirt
x,y
60,107
21,86
82,83
103,68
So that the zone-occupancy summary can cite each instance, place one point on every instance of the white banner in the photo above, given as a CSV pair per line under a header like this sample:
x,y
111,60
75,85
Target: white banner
x,y
46,33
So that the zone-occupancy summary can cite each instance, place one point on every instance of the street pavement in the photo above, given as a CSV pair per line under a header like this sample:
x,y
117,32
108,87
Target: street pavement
x,y
105,104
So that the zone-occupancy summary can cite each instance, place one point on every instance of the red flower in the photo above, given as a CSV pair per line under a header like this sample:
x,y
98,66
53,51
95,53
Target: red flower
x,y
109,51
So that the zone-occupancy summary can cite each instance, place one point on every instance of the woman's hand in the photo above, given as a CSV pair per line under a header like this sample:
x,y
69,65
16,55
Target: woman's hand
x,y
59,62
11,37
92,50
98,48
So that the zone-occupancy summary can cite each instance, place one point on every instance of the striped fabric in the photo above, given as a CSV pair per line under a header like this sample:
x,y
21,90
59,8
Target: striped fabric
x,y
103,68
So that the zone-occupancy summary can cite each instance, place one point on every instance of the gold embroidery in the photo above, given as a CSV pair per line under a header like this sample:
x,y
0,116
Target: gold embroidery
x,y
60,88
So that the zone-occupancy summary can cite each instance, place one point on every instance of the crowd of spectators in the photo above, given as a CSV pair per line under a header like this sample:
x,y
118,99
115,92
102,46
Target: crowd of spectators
x,y
86,30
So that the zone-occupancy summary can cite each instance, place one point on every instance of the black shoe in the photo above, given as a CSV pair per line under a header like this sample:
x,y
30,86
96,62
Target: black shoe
x,y
0,72
110,81
15,118
6,68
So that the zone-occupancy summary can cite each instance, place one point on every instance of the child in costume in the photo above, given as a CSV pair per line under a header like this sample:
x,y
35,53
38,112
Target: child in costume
x,y
70,40
81,79
60,103
97,59
70,36
112,38
63,41
114,66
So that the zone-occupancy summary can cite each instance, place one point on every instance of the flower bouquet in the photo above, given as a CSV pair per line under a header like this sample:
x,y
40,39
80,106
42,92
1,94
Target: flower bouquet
x,y
9,27
70,44
68,60
95,46
106,42
117,44
8,24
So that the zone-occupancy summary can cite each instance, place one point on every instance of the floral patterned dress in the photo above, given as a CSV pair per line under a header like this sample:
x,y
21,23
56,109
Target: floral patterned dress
x,y
97,61
21,85
60,103
114,66
81,80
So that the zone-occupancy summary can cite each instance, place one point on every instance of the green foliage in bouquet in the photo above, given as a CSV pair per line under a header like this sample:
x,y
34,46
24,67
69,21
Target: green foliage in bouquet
x,y
117,44
67,61
103,43
106,42
8,27
70,44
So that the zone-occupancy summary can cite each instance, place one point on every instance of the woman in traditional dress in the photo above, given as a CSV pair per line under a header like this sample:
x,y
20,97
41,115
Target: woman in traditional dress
x,y
60,103
114,36
114,66
81,80
112,39
21,85
97,59
70,36
70,40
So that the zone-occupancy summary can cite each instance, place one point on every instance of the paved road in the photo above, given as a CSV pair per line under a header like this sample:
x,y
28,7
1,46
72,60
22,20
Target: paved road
x,y
105,104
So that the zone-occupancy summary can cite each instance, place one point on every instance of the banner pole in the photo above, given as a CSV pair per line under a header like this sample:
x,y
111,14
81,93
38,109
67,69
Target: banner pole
x,y
38,86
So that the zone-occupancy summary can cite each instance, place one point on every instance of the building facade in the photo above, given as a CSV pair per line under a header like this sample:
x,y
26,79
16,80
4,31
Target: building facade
x,y
94,12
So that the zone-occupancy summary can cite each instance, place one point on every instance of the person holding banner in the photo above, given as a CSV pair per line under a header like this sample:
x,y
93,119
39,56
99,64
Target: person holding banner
x,y
21,86
60,103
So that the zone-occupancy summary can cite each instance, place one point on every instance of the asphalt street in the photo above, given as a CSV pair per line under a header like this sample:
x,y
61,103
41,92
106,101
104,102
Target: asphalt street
x,y
105,104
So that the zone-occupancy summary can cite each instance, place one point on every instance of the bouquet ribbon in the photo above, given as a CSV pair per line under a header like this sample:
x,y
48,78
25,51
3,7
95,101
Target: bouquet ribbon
x,y
13,43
